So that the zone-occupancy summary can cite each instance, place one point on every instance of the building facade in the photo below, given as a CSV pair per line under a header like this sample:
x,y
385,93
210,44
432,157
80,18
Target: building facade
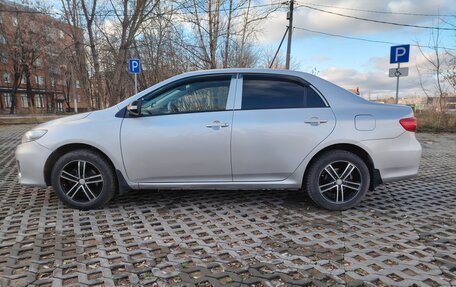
x,y
37,75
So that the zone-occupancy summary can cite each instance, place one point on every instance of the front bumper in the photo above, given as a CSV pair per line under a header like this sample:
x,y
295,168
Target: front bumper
x,y
31,158
397,158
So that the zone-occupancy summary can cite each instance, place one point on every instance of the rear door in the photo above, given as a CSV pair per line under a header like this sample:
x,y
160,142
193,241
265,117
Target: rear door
x,y
278,121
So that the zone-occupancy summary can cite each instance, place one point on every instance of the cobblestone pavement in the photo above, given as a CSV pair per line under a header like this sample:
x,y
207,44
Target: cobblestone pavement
x,y
402,234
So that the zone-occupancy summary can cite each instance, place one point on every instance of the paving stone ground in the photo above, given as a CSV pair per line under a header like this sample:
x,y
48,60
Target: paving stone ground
x,y
403,234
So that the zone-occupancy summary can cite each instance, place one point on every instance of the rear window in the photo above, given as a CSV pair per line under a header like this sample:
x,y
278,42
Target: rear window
x,y
262,93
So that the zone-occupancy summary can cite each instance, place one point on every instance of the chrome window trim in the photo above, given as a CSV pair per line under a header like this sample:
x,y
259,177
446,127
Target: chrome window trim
x,y
232,93
239,84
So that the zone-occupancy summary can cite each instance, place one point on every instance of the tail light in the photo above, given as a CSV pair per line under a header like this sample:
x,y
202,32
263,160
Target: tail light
x,y
409,124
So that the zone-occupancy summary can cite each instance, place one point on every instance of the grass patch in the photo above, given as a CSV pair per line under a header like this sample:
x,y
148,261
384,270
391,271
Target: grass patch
x,y
435,122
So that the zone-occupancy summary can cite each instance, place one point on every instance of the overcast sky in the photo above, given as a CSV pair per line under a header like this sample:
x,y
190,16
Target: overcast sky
x,y
352,63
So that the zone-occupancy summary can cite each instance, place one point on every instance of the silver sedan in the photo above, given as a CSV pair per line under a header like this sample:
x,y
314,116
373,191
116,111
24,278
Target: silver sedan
x,y
226,129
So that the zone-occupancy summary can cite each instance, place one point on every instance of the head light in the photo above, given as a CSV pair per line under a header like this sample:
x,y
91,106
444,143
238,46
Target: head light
x,y
33,135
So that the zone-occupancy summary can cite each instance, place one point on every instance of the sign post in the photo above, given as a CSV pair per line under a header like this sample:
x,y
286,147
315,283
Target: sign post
x,y
135,68
399,54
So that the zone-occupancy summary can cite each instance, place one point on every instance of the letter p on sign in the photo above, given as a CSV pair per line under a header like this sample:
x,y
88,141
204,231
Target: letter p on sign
x,y
399,54
134,66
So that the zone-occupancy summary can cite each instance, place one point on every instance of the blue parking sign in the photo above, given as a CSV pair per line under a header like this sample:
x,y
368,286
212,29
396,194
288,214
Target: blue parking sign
x,y
399,54
134,66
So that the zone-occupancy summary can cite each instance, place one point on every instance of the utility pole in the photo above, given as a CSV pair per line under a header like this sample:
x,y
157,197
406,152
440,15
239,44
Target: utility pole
x,y
290,33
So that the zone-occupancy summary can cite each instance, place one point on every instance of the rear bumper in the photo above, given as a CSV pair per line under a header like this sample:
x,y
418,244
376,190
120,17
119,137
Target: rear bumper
x,y
31,158
395,159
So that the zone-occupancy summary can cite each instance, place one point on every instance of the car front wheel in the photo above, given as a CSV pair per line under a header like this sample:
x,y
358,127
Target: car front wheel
x,y
338,180
83,179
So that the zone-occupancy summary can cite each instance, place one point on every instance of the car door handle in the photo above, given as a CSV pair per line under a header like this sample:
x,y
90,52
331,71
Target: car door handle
x,y
315,121
217,124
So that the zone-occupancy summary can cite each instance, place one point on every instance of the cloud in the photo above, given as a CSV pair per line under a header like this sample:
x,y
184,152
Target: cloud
x,y
274,27
372,75
374,79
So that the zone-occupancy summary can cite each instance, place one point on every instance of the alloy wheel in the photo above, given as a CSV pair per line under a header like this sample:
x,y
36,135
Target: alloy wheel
x,y
340,182
81,181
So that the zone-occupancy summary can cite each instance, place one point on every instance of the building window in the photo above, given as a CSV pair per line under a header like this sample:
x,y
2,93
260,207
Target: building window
x,y
52,82
4,57
53,34
23,80
6,77
2,39
14,20
59,106
39,101
55,70
38,62
34,27
78,84
78,98
39,80
8,100
61,34
24,100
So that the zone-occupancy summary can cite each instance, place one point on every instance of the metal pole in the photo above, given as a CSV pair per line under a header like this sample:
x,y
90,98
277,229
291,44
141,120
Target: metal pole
x,y
290,32
75,104
397,83
72,92
136,84
278,49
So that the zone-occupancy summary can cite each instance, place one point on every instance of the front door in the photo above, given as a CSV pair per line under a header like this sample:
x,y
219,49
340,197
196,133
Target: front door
x,y
183,133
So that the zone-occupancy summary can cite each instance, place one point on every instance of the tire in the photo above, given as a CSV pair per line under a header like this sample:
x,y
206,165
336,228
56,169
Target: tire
x,y
93,187
325,181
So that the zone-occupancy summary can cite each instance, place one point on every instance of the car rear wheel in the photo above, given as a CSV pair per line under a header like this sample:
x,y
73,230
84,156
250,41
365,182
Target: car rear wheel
x,y
83,179
337,180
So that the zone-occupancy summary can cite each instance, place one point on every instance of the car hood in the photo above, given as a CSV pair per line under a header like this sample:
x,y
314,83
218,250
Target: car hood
x,y
63,120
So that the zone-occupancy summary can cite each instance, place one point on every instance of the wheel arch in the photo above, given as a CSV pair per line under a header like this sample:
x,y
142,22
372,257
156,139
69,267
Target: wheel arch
x,y
56,154
359,151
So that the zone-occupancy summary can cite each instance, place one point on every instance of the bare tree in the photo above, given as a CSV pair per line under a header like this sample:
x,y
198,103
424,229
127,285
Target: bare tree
x,y
78,18
161,48
127,20
224,31
227,35
26,46
90,18
279,62
435,62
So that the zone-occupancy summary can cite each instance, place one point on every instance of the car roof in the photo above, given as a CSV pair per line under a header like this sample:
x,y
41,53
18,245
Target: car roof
x,y
246,70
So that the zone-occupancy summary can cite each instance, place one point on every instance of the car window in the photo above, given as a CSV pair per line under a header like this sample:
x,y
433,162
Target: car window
x,y
271,93
199,96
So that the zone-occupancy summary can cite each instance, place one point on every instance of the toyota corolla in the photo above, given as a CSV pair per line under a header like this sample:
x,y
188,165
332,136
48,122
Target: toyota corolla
x,y
237,129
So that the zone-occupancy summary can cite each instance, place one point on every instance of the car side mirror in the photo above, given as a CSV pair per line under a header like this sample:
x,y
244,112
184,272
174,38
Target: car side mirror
x,y
134,108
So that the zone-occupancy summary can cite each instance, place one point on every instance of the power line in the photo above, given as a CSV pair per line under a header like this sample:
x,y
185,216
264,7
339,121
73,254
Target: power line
x,y
366,40
381,12
377,21
243,7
